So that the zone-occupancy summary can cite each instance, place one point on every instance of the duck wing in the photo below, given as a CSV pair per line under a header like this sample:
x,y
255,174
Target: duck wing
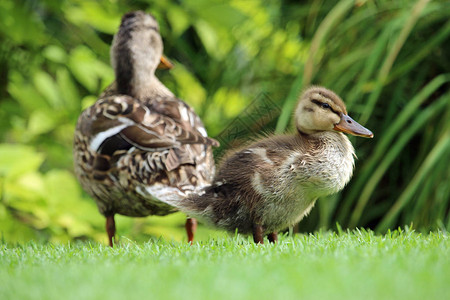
x,y
123,119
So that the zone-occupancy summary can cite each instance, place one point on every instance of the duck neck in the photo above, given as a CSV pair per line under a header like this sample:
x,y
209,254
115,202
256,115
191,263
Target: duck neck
x,y
136,77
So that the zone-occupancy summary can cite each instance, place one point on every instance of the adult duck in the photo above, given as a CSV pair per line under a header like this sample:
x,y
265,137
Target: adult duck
x,y
139,144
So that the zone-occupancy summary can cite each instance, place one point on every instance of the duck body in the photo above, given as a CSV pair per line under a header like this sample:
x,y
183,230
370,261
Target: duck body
x,y
283,177
128,178
274,182
139,147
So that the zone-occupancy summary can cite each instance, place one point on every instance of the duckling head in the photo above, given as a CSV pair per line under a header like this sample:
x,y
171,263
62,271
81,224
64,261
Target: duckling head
x,y
320,109
137,49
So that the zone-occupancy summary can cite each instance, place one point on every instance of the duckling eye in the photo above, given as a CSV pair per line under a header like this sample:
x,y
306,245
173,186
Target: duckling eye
x,y
321,104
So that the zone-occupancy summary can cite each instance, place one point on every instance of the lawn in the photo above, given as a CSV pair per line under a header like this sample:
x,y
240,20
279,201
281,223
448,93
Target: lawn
x,y
324,265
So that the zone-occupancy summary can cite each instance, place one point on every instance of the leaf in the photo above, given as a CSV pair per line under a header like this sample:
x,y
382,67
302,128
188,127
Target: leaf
x,y
47,87
217,13
178,19
88,70
25,94
94,14
87,101
190,88
12,229
62,188
18,159
74,226
55,54
24,192
66,206
21,24
209,37
41,121
69,91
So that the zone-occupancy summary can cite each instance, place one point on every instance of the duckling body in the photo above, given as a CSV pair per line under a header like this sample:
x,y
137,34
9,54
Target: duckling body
x,y
274,182
138,144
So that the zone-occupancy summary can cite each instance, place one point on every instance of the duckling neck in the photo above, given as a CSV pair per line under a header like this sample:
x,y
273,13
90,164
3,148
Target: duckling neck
x,y
332,161
135,77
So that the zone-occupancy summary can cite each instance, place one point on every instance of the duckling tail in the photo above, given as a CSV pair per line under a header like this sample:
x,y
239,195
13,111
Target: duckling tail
x,y
201,205
198,205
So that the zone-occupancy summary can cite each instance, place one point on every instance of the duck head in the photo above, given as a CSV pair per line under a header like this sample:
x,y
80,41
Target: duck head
x,y
137,51
320,109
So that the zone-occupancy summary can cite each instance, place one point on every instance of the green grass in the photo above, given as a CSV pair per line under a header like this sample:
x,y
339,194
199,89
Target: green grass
x,y
349,265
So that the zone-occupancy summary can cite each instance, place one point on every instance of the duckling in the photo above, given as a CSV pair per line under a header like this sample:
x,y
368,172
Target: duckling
x,y
139,144
274,182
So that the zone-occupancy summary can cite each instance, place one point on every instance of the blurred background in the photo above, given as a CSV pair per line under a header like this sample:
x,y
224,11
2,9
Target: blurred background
x,y
234,60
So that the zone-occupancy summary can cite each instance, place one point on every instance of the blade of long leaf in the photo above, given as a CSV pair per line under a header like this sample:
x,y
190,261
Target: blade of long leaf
x,y
436,153
386,140
327,24
325,27
389,61
392,154
441,36
371,63
288,106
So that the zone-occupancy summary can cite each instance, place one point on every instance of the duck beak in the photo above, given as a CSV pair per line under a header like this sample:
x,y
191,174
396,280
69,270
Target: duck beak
x,y
350,126
165,63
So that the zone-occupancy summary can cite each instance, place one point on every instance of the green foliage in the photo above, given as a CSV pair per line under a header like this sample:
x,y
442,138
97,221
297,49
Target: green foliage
x,y
348,265
387,59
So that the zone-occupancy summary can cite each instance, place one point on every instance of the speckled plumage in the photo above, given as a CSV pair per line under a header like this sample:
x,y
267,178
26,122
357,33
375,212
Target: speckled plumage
x,y
139,144
274,182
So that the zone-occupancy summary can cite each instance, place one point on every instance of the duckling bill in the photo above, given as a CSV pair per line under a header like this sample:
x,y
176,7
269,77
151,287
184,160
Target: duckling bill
x,y
274,182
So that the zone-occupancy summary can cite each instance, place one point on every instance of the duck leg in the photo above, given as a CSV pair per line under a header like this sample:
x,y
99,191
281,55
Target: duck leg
x,y
191,227
258,235
273,237
110,229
